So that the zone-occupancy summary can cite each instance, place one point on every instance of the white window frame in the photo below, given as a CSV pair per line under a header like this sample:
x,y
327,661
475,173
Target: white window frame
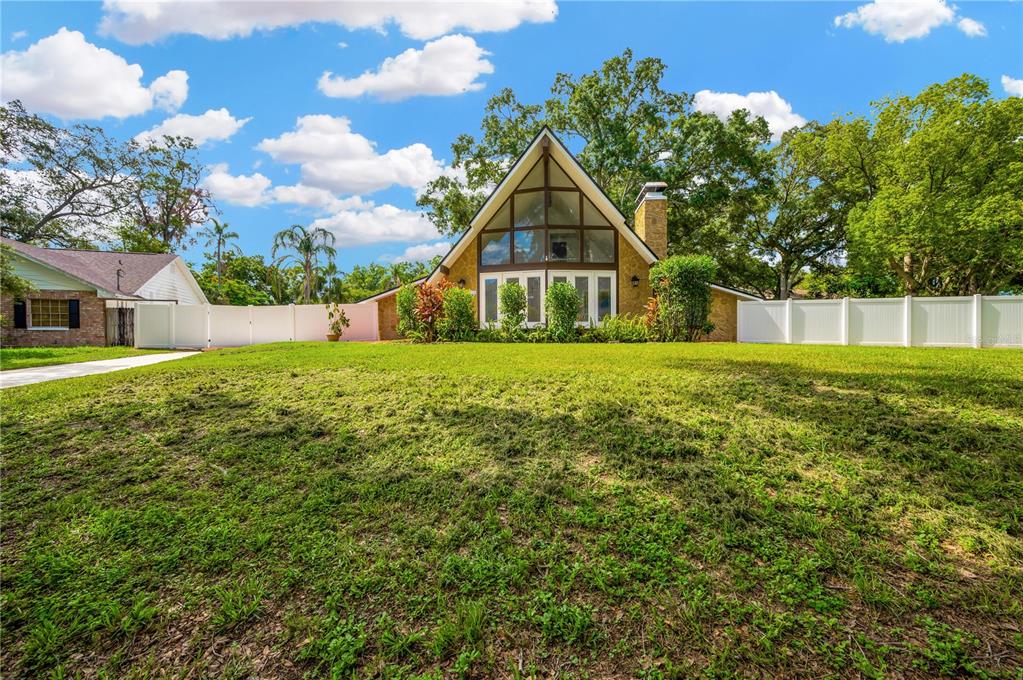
x,y
592,275
501,278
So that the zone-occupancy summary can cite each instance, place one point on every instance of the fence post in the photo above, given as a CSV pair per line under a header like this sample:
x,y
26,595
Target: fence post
x,y
788,321
907,321
173,320
845,321
294,334
250,324
978,303
209,336
738,320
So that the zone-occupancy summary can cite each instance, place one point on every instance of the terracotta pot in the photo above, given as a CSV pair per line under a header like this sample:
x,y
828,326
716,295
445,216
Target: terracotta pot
x,y
333,338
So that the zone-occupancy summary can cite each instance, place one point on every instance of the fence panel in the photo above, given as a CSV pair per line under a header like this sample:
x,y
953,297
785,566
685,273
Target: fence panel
x,y
310,322
817,322
153,325
364,322
761,322
272,324
1001,321
942,322
190,325
876,321
976,321
229,326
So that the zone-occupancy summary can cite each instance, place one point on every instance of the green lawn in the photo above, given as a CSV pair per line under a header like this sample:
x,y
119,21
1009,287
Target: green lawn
x,y
305,510
30,357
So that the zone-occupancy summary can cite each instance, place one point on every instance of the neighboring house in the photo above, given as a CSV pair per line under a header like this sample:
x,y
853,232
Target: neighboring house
x,y
86,297
548,221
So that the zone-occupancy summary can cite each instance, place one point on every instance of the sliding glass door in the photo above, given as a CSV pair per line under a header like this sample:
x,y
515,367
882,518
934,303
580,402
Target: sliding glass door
x,y
596,290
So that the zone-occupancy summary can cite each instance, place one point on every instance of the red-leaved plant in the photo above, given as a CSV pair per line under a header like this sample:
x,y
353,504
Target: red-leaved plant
x,y
430,306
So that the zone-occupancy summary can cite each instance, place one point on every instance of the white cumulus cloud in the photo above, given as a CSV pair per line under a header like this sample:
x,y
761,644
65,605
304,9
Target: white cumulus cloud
x,y
214,125
331,156
423,252
769,105
378,224
138,22
69,77
447,66
316,198
971,27
245,190
1013,86
902,20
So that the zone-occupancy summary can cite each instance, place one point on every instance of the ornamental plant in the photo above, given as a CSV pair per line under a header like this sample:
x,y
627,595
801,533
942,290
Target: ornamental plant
x,y
562,307
624,328
682,287
338,320
430,306
458,322
511,301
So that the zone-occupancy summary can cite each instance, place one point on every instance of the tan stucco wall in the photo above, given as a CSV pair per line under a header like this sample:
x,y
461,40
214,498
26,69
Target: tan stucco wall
x,y
632,300
723,312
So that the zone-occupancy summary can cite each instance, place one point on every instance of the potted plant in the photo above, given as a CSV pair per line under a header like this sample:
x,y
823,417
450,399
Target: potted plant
x,y
338,322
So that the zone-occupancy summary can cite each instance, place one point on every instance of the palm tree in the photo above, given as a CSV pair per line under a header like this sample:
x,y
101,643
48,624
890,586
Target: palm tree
x,y
307,245
219,237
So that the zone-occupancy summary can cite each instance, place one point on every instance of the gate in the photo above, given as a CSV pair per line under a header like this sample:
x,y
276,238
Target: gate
x,y
121,325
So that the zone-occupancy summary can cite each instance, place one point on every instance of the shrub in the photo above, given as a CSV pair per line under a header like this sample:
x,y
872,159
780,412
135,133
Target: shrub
x,y
621,329
409,325
682,287
458,323
339,321
430,307
512,304
562,307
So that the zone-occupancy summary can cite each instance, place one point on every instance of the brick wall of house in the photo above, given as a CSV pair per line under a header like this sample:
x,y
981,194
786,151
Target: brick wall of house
x,y
632,299
387,317
723,314
92,314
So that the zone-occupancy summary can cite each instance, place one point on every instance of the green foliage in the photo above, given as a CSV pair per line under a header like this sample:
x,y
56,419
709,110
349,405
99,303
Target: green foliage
x,y
561,621
406,301
11,284
237,604
836,283
624,328
338,320
459,321
934,184
511,302
337,645
682,286
303,247
561,305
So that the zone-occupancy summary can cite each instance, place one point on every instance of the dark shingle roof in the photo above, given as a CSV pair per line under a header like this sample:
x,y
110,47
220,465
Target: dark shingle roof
x,y
99,267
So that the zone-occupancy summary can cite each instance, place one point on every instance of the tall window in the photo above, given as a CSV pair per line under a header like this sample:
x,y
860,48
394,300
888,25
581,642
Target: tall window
x,y
49,313
547,219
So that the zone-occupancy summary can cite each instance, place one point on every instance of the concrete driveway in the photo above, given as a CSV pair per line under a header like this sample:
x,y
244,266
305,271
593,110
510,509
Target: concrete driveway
x,y
28,376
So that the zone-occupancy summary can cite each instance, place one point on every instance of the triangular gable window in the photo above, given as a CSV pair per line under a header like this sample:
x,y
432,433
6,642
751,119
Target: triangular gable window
x,y
502,219
534,180
558,177
593,217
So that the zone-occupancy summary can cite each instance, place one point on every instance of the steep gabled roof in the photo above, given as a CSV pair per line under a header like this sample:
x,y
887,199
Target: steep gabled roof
x,y
98,268
576,173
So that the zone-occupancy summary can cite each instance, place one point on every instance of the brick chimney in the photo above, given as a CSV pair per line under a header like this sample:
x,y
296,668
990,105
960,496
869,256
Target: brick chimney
x,y
652,217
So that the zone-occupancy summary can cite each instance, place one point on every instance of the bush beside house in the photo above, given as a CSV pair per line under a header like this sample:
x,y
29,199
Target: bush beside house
x,y
679,311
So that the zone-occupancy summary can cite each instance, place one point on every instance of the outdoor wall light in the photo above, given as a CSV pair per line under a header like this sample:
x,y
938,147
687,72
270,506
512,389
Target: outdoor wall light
x,y
461,283
635,280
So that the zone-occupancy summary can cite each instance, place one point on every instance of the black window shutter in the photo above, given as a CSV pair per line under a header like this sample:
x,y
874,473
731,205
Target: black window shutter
x,y
74,318
20,317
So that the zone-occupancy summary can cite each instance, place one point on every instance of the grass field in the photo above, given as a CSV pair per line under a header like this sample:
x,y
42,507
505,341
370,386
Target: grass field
x,y
30,357
310,510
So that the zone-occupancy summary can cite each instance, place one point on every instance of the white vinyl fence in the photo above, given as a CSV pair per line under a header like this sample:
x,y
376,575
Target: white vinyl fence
x,y
164,325
976,321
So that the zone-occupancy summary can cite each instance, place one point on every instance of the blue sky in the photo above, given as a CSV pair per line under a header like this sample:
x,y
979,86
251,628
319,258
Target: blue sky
x,y
349,153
